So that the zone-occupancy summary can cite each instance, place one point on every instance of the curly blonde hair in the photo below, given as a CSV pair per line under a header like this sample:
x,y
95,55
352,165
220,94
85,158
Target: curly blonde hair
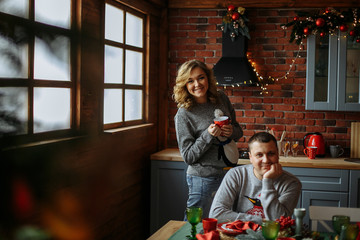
x,y
181,95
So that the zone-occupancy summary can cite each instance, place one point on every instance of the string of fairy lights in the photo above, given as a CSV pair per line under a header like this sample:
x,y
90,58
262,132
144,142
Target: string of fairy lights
x,y
265,81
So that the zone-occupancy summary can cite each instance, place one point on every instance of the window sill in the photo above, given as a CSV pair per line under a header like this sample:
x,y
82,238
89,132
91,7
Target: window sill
x,y
41,143
123,129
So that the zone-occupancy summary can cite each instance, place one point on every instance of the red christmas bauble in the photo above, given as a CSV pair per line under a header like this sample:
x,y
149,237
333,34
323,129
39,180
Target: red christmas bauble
x,y
296,18
352,33
306,31
358,40
231,8
320,22
343,28
235,16
322,34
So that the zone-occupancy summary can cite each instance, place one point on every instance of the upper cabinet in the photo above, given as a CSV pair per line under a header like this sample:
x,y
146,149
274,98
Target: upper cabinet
x,y
332,77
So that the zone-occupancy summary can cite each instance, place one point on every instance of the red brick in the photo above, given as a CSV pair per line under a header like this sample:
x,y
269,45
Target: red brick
x,y
254,113
187,27
295,115
187,12
314,115
196,34
284,121
204,53
208,13
274,114
186,53
315,129
283,107
243,120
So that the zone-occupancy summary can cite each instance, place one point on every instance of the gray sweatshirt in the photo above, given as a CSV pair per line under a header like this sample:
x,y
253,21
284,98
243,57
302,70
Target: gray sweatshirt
x,y
198,148
243,196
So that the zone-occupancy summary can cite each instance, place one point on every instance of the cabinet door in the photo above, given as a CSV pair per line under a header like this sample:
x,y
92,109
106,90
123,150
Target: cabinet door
x,y
318,198
321,72
348,77
169,192
354,192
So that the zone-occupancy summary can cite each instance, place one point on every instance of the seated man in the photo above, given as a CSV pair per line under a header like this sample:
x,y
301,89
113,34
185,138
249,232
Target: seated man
x,y
257,190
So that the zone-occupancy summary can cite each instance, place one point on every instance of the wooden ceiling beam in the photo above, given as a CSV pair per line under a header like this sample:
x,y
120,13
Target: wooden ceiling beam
x,y
214,4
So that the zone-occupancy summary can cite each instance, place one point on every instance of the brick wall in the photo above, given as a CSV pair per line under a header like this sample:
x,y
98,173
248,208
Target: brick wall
x,y
196,34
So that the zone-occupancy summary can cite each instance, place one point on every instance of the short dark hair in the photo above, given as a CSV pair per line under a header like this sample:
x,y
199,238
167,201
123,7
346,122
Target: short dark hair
x,y
262,137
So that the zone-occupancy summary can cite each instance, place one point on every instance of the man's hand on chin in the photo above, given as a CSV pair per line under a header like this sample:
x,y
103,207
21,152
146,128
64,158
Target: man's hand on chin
x,y
274,171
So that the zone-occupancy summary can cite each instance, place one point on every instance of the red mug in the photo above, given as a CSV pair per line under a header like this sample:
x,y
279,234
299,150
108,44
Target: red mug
x,y
209,224
310,152
221,121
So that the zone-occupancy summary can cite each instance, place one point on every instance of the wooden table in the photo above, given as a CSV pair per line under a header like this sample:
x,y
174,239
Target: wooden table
x,y
166,231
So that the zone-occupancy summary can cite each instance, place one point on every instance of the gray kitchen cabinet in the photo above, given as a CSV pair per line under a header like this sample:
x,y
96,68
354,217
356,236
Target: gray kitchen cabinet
x,y
354,191
169,192
332,76
321,187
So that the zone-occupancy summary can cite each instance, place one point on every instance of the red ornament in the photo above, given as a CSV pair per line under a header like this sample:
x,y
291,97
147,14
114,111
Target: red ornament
x,y
358,40
296,18
352,33
306,31
343,28
235,16
231,8
322,34
320,22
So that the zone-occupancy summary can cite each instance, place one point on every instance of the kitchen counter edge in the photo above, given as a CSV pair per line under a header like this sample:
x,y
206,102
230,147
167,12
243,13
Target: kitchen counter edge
x,y
173,154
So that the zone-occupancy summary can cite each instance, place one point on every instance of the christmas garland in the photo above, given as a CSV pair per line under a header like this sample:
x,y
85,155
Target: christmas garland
x,y
235,22
324,22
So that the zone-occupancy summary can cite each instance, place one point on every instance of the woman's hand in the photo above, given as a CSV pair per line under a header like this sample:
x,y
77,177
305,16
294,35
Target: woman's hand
x,y
227,130
214,130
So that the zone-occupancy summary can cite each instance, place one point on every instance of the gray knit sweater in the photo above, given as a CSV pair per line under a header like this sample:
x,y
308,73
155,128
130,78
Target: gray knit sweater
x,y
198,148
277,197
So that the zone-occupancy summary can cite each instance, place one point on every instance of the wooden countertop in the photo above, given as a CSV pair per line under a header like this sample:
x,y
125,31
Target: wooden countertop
x,y
173,154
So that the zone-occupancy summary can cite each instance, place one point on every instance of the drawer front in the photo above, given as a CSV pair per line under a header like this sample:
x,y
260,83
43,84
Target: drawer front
x,y
322,179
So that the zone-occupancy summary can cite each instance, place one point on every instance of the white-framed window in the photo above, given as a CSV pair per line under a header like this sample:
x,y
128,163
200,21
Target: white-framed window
x,y
124,66
36,75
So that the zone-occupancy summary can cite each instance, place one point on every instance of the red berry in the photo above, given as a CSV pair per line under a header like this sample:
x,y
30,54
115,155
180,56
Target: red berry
x,y
306,31
231,8
320,22
235,16
343,28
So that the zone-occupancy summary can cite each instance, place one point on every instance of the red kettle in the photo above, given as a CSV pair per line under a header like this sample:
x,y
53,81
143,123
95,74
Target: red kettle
x,y
315,140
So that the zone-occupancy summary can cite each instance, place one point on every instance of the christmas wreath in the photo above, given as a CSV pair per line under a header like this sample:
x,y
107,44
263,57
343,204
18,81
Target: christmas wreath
x,y
324,22
235,22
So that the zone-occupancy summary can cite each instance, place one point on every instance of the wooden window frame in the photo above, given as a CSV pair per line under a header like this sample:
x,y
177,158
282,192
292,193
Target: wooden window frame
x,y
123,86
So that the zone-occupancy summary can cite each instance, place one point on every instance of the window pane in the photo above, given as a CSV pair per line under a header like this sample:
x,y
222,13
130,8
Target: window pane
x,y
321,69
352,71
51,109
113,64
13,59
133,105
53,12
18,8
112,105
134,30
133,67
114,23
52,58
13,110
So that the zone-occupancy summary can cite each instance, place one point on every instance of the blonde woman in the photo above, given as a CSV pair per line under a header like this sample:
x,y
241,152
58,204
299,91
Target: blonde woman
x,y
197,99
